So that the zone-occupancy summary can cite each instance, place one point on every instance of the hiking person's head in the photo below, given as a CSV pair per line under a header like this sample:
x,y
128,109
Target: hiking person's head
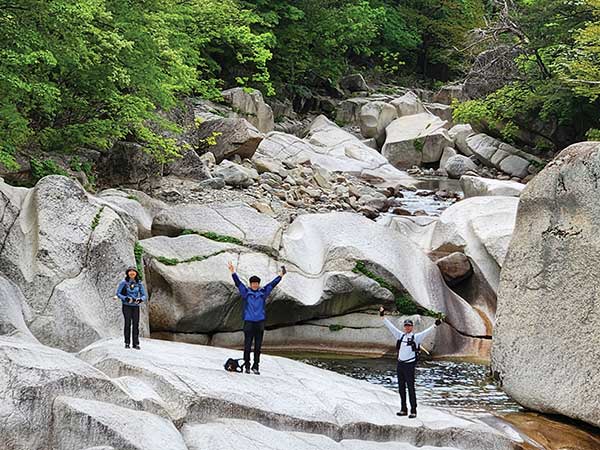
x,y
408,326
254,283
131,273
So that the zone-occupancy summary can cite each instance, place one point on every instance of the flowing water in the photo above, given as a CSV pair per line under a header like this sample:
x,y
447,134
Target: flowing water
x,y
433,206
465,388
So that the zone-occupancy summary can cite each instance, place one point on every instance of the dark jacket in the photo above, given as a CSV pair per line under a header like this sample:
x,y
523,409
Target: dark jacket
x,y
131,289
254,301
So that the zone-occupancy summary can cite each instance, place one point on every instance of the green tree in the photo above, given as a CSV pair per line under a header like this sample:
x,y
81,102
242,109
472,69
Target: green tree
x,y
89,72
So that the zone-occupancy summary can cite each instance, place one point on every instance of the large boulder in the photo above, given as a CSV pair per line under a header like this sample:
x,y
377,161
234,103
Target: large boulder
x,y
191,290
128,164
458,165
482,228
459,133
348,111
33,376
249,104
447,94
133,206
477,186
408,105
66,252
303,400
332,148
354,83
226,137
548,311
494,153
440,110
236,175
415,139
233,222
374,118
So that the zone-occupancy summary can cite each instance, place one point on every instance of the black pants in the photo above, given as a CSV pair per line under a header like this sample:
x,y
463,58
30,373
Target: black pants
x,y
406,379
132,317
253,331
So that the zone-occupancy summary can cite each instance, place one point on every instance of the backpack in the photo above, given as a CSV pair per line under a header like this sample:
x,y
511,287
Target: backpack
x,y
415,347
233,365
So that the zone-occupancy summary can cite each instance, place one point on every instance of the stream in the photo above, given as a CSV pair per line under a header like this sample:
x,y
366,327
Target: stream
x,y
466,389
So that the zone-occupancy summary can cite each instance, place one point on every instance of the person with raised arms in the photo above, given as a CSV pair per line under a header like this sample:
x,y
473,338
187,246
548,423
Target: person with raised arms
x,y
254,299
408,345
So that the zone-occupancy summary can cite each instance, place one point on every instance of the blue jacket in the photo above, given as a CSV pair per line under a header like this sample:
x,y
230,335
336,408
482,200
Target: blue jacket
x,y
254,301
133,289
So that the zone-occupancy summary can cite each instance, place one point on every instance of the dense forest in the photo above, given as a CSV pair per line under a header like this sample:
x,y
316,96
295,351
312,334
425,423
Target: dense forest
x,y
85,73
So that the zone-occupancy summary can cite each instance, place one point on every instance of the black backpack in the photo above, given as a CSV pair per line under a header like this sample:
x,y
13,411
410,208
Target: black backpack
x,y
233,365
415,347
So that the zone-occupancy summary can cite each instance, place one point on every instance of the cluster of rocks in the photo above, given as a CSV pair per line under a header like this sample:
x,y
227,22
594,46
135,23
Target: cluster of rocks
x,y
420,136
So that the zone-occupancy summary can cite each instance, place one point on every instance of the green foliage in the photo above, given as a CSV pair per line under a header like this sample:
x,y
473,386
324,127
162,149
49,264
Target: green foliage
x,y
419,144
88,72
404,302
96,220
174,261
138,252
553,100
221,238
40,169
335,327
405,305
593,134
133,197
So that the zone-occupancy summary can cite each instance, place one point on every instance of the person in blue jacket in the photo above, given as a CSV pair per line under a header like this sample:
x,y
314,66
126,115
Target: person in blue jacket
x,y
254,299
132,294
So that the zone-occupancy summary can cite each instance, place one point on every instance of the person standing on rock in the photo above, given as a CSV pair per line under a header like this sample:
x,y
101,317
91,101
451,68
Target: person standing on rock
x,y
254,299
132,294
407,344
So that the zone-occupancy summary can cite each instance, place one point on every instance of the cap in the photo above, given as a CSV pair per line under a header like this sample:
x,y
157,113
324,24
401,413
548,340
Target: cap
x,y
408,322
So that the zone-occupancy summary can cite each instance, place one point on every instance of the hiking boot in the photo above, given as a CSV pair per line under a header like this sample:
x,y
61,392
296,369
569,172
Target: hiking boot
x,y
255,371
402,413
137,347
127,346
246,370
412,415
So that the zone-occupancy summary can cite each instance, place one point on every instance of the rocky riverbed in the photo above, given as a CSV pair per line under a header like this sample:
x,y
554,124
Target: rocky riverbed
x,y
338,206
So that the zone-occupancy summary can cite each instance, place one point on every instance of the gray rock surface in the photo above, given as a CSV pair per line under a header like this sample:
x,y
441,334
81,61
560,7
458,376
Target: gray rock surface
x,y
133,206
482,227
235,175
415,139
332,148
477,186
354,83
374,117
408,105
65,246
459,133
548,312
288,395
234,220
457,165
226,137
250,105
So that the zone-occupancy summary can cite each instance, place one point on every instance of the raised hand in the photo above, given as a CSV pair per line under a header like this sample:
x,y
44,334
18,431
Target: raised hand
x,y
283,271
230,267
